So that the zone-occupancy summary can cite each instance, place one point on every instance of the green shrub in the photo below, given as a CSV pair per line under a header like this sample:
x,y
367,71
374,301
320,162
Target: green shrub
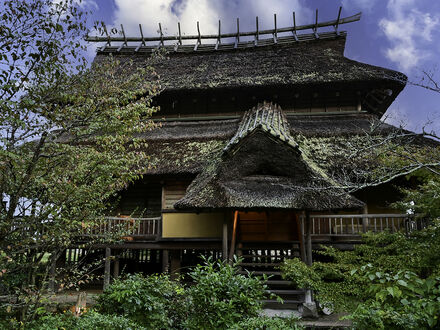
x,y
152,301
220,297
399,301
96,321
268,323
90,320
339,286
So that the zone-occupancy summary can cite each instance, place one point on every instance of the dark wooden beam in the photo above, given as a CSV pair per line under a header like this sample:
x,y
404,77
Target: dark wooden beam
x,y
300,229
107,268
225,239
234,236
308,227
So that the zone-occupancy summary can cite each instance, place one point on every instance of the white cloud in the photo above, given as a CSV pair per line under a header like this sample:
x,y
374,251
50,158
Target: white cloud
x,y
408,31
359,4
207,12
88,4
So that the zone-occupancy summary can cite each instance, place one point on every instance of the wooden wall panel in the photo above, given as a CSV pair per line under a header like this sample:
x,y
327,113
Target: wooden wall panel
x,y
172,192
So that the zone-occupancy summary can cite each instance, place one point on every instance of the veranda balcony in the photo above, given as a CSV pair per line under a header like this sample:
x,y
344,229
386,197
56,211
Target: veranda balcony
x,y
323,226
357,224
130,228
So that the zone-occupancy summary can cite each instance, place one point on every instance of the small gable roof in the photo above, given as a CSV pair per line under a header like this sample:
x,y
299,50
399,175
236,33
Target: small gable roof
x,y
262,167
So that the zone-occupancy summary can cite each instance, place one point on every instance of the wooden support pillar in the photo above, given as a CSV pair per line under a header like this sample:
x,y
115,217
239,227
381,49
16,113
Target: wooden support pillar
x,y
308,296
300,228
165,261
116,267
234,236
107,268
308,227
175,263
52,272
365,221
225,239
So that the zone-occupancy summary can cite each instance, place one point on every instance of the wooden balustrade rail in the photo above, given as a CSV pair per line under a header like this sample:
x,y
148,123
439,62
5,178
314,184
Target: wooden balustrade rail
x,y
133,227
356,224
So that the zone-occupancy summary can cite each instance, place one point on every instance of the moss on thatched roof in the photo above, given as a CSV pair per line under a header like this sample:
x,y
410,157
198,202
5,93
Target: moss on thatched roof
x,y
187,146
316,62
262,167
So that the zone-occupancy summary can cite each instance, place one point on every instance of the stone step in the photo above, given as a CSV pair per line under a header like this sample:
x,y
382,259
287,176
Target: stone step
x,y
279,283
287,292
260,272
259,264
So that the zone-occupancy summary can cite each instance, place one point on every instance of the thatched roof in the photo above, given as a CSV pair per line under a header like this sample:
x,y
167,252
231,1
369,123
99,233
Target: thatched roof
x,y
262,167
186,146
296,65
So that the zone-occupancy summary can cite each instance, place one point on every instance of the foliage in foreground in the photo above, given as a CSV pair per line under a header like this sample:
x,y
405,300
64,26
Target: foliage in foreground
x,y
68,143
90,320
218,298
398,301
390,282
152,301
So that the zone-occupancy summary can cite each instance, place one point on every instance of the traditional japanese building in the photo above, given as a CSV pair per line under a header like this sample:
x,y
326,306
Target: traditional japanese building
x,y
251,152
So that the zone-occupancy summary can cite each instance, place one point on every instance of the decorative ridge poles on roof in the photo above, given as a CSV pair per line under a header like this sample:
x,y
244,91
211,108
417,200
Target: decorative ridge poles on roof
x,y
175,42
267,117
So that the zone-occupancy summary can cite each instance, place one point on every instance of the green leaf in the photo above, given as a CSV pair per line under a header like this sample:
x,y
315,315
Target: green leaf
x,y
402,283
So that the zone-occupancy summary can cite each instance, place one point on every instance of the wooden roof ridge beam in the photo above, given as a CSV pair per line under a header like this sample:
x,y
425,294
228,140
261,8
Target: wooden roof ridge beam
x,y
256,34
125,38
315,29
294,27
143,43
337,21
199,38
219,39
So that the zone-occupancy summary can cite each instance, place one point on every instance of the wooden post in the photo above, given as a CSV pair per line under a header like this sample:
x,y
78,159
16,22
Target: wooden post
x,y
116,267
234,236
365,220
308,226
165,261
225,239
175,263
300,227
107,268
52,272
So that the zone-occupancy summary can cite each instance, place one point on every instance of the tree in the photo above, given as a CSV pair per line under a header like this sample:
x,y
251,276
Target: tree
x,y
68,141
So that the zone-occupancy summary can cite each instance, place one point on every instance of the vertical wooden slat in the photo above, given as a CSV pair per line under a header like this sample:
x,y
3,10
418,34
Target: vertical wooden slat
x,y
308,239
300,225
225,239
234,236
107,268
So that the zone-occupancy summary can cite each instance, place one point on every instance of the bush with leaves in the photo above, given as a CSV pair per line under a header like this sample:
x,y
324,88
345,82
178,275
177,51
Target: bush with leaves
x,y
220,297
338,285
268,323
153,301
89,320
398,301
70,141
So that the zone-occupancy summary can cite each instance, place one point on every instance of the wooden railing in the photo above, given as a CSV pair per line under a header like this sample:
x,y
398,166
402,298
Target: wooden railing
x,y
127,226
260,37
356,224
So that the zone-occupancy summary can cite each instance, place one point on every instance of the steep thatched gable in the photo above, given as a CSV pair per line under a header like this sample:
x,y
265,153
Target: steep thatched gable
x,y
262,167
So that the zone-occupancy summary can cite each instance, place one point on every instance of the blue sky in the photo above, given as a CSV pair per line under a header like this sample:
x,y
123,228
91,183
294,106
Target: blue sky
x,y
399,34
